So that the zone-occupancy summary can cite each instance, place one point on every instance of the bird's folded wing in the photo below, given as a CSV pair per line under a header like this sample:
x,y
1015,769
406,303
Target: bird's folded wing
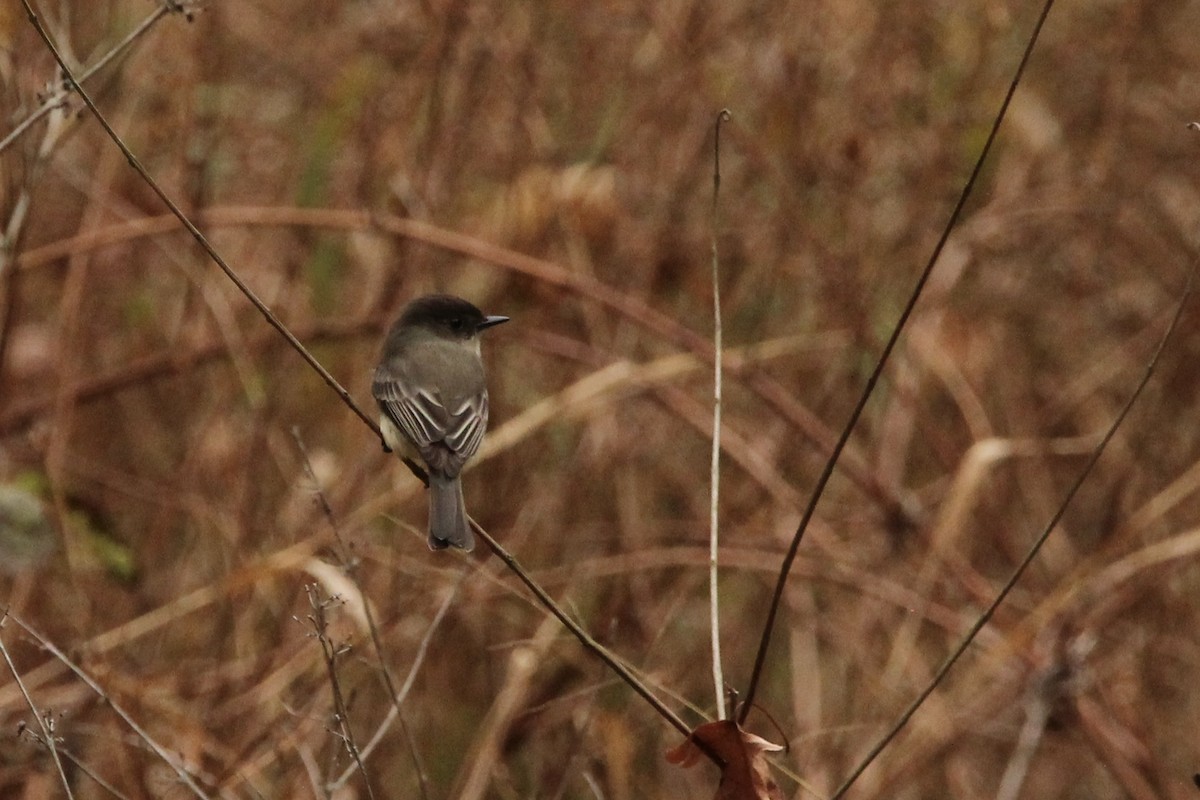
x,y
445,437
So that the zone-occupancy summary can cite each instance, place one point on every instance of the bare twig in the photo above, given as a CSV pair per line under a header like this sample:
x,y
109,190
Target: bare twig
x,y
394,713
586,640
173,762
348,567
55,106
1034,548
44,721
330,652
869,388
82,766
59,97
25,411
347,564
715,466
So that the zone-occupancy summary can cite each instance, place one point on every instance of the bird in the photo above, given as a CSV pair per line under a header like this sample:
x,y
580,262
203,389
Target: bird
x,y
433,402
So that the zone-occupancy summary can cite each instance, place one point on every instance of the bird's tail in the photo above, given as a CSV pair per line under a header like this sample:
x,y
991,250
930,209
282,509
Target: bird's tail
x,y
448,514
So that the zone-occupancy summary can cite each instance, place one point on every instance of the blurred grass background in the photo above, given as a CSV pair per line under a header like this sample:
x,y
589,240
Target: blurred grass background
x,y
151,408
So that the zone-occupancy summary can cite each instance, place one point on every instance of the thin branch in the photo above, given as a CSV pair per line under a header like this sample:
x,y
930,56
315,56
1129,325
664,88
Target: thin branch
x,y
587,641
330,653
869,388
1034,549
410,679
180,771
266,312
91,773
44,721
715,466
25,411
348,567
347,564
60,97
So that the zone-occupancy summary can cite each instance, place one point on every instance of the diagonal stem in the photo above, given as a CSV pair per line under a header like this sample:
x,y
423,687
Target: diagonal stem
x,y
868,390
269,315
1034,549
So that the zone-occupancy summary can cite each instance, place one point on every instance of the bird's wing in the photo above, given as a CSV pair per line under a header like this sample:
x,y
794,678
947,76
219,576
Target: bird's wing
x,y
444,436
467,424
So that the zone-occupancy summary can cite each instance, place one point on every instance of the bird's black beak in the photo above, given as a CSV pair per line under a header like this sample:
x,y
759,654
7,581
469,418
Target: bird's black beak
x,y
490,321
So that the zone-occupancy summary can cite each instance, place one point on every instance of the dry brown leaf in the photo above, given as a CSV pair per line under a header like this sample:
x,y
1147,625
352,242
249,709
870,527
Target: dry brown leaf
x,y
746,774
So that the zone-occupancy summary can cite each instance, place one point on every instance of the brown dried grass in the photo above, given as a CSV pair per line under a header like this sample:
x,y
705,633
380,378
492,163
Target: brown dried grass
x,y
556,160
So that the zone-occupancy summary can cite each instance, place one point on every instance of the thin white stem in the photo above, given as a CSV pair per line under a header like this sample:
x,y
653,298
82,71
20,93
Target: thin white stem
x,y
718,678
1037,712
714,497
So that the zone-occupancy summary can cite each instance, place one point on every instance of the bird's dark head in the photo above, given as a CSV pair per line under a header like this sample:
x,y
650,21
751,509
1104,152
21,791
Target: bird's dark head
x,y
447,315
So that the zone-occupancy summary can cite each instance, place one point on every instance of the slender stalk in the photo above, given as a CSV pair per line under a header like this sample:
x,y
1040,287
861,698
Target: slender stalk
x,y
760,659
591,644
44,721
350,569
330,653
715,494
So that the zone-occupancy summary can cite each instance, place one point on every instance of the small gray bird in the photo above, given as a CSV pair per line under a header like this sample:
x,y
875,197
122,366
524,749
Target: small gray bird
x,y
433,402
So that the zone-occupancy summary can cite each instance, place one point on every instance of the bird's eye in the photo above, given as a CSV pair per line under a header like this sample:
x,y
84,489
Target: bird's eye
x,y
456,323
